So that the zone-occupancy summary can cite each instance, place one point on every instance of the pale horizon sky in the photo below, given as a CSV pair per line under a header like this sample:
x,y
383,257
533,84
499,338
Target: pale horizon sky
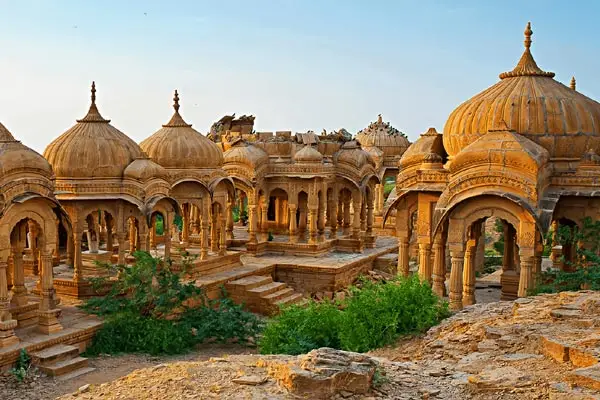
x,y
295,64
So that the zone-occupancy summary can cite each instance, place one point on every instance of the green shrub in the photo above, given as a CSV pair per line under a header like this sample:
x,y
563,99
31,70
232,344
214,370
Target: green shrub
x,y
370,317
299,329
150,309
159,225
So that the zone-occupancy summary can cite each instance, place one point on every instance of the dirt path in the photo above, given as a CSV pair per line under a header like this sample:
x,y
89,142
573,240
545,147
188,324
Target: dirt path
x,y
108,368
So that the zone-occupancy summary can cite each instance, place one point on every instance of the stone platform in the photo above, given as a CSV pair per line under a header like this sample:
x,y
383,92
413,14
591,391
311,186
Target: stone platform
x,y
78,330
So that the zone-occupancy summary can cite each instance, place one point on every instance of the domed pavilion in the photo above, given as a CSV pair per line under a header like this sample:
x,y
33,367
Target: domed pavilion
x,y
386,145
313,193
198,183
108,187
29,219
523,151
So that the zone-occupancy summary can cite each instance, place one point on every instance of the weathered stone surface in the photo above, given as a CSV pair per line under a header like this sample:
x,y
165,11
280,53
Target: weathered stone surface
x,y
325,372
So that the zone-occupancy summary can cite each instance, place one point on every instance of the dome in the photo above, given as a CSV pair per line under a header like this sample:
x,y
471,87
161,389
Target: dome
x,y
93,148
308,154
353,155
383,136
504,148
425,149
15,156
247,154
529,101
143,168
178,145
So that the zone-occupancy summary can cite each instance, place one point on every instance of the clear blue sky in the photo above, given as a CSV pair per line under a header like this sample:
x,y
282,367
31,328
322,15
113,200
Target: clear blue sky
x,y
294,64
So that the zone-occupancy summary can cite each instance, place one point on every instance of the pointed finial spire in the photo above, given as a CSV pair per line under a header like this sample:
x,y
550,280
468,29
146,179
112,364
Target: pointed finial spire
x,y
93,114
176,101
93,92
528,32
379,119
573,83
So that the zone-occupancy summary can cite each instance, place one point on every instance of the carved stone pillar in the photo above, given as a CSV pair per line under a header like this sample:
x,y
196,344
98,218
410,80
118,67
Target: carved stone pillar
x,y
109,235
321,219
356,224
403,256
153,232
185,229
77,260
252,220
370,220
456,279
7,323
132,237
121,238
376,196
425,269
469,273
70,250
312,224
48,313
19,292
56,253
293,228
346,223
526,275
439,270
229,215
222,236
333,217
264,220
32,236
204,232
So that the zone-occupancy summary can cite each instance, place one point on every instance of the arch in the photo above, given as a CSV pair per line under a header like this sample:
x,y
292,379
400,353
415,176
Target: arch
x,y
190,183
482,207
442,211
227,182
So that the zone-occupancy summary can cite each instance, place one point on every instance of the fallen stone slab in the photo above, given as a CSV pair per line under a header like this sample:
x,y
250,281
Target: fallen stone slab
x,y
325,372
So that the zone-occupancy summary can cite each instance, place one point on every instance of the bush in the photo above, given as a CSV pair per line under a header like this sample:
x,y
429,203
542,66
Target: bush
x,y
149,309
372,316
300,329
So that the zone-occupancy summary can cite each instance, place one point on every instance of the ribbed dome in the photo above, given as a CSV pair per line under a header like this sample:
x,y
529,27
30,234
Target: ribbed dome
x,y
353,155
530,102
420,151
143,168
383,136
308,154
93,148
502,147
247,154
15,156
178,145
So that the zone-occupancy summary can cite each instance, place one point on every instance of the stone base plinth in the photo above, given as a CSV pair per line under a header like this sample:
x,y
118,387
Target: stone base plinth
x,y
7,333
509,280
48,321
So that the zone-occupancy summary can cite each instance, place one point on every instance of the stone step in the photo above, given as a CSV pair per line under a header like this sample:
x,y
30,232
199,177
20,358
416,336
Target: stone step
x,y
294,298
279,295
76,373
267,289
64,367
54,354
249,282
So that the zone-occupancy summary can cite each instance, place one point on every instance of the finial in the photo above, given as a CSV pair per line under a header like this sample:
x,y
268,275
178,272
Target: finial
x,y
528,32
176,101
93,92
573,83
379,119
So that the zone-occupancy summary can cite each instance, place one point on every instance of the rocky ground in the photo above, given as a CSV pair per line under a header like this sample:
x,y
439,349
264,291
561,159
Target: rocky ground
x,y
543,347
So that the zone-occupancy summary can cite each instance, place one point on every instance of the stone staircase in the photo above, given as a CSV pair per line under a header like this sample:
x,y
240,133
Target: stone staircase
x,y
61,361
260,294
